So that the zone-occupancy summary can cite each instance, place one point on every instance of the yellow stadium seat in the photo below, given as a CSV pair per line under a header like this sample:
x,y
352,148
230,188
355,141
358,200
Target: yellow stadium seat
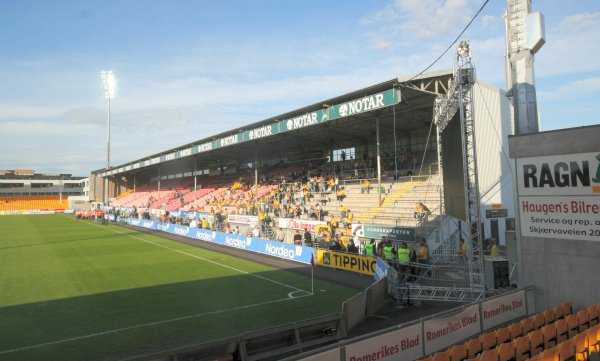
x,y
506,351
522,348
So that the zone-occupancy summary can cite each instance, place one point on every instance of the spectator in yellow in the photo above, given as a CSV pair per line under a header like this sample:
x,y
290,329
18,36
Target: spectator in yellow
x,y
341,194
365,186
423,256
421,212
333,223
330,184
494,248
462,254
343,211
348,219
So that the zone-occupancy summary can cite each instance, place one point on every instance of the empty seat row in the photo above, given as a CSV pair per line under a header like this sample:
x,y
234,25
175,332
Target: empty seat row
x,y
528,337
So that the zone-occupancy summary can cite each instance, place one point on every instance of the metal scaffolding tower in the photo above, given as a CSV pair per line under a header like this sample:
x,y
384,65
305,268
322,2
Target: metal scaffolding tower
x,y
460,99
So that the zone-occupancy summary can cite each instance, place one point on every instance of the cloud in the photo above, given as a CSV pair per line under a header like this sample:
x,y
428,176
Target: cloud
x,y
489,21
579,23
85,115
573,90
387,14
412,22
10,111
571,47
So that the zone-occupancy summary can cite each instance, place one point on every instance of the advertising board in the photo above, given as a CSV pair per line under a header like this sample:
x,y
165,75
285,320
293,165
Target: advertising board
x,y
299,224
347,261
377,232
503,309
559,196
287,251
402,344
439,333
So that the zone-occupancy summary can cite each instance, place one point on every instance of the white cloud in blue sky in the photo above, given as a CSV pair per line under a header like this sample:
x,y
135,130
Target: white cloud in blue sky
x,y
189,69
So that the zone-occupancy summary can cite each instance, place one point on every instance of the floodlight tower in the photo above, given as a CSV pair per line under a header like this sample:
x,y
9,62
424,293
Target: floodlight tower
x,y
524,37
108,86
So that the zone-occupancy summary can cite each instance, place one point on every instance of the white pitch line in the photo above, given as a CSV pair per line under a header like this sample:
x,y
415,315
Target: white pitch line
x,y
149,324
201,258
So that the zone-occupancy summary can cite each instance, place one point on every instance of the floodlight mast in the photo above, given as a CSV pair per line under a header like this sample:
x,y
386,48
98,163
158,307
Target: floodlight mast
x,y
108,87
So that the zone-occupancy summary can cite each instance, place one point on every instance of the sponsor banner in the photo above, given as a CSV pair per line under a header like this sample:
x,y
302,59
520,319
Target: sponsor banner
x,y
368,103
337,111
389,232
503,309
242,219
575,217
403,344
190,215
31,211
440,333
69,211
299,224
287,251
178,214
347,261
134,221
381,270
200,215
329,355
567,174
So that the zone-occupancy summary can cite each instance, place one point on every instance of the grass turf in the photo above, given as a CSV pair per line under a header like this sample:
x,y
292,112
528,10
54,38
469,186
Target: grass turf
x,y
74,290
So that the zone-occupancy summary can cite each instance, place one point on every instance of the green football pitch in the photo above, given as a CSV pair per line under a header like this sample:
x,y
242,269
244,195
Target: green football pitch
x,y
74,290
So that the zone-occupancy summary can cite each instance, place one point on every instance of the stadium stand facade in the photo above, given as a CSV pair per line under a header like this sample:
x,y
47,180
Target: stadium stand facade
x,y
374,154
22,190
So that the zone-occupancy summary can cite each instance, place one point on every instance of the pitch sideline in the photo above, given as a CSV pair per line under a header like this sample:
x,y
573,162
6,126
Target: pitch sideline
x,y
203,259
155,323
143,325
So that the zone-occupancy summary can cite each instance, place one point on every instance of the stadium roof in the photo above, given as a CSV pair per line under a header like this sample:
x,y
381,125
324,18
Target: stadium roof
x,y
340,120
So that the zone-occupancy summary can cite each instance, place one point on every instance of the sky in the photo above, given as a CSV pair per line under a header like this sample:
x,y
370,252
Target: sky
x,y
190,69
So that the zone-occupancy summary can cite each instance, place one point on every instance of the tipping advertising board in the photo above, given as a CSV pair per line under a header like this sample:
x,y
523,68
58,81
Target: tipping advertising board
x,y
347,261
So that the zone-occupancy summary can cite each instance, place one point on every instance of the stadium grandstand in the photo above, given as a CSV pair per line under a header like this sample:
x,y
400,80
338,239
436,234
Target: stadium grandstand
x,y
402,191
388,171
26,190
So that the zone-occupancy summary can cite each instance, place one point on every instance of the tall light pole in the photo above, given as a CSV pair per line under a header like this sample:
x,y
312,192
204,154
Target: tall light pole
x,y
108,86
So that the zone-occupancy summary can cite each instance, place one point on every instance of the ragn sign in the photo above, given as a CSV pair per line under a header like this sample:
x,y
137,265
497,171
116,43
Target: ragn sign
x,y
570,174
559,196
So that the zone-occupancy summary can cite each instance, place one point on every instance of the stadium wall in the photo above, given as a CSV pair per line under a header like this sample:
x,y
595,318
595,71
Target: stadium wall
x,y
558,223
492,114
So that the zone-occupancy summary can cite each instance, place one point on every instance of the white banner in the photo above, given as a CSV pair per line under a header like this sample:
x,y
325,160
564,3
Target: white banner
x,y
403,344
443,332
243,219
563,217
299,224
33,211
331,355
503,309
566,174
